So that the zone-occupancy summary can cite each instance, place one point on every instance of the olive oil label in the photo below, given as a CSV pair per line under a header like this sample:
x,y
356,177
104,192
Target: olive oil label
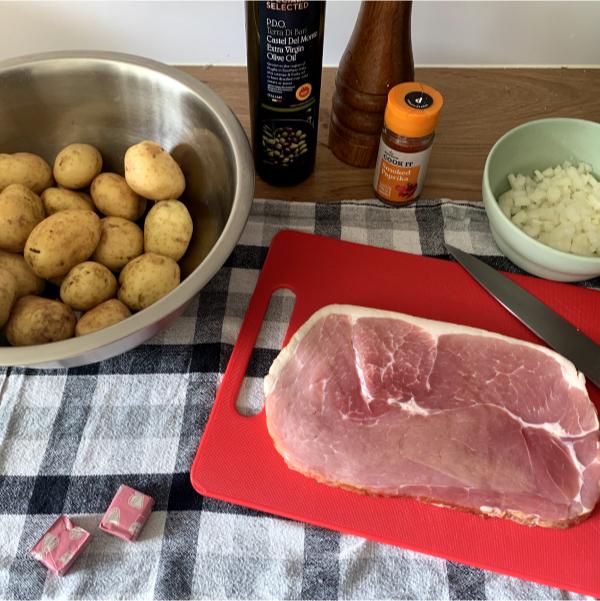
x,y
289,47
290,73
399,176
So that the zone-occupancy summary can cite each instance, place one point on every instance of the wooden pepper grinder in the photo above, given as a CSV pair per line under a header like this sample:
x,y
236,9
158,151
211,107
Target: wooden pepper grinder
x,y
377,57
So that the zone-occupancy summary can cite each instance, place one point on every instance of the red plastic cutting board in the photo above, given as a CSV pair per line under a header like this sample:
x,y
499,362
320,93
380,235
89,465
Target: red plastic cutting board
x,y
236,460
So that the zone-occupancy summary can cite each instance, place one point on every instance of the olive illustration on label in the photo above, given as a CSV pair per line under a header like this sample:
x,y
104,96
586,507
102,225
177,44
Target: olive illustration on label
x,y
283,146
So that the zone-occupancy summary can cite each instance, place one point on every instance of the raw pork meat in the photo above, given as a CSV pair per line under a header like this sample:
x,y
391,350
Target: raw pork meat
x,y
390,404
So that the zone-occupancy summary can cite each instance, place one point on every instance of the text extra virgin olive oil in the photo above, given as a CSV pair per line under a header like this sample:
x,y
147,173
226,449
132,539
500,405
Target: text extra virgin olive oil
x,y
285,54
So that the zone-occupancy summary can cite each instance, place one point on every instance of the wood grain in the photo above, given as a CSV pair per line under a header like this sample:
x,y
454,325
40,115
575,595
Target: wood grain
x,y
364,79
480,105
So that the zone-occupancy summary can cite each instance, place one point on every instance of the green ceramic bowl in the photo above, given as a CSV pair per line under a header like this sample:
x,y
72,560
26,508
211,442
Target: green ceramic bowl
x,y
537,145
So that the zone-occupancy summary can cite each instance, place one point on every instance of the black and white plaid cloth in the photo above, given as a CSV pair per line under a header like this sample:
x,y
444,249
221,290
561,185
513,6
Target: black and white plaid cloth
x,y
69,438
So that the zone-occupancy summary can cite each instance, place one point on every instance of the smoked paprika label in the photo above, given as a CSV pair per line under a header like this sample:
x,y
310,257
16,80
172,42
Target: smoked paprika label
x,y
399,176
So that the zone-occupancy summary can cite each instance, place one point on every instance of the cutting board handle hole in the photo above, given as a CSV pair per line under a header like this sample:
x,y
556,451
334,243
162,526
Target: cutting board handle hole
x,y
251,399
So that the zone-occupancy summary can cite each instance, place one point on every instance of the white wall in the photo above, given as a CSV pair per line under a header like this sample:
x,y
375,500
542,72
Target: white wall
x,y
492,33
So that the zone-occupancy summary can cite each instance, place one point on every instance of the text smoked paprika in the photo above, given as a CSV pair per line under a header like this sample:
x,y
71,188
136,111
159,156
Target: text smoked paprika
x,y
411,115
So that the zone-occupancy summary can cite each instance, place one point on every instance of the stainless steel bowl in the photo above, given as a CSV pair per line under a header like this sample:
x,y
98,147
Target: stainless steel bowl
x,y
113,101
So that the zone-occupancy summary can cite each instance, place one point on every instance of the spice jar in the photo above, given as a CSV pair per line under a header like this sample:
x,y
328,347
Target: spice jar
x,y
411,115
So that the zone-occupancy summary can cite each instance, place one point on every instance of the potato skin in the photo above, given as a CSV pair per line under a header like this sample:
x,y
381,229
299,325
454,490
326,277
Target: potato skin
x,y
77,165
168,229
62,241
20,211
113,197
146,279
152,172
8,294
37,320
27,169
121,241
105,314
61,199
27,281
87,285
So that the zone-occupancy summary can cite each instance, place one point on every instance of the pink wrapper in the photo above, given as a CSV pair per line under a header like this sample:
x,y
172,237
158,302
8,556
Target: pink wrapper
x,y
61,545
127,513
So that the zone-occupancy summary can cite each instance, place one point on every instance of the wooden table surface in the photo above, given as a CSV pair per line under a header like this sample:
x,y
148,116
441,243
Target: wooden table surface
x,y
479,106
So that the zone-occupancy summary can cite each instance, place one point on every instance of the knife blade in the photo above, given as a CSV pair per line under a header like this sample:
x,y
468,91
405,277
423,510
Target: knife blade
x,y
553,329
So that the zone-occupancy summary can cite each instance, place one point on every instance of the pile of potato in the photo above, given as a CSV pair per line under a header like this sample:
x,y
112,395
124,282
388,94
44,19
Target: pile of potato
x,y
75,227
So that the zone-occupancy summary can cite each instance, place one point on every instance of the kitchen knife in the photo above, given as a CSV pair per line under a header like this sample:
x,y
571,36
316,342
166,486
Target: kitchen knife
x,y
560,335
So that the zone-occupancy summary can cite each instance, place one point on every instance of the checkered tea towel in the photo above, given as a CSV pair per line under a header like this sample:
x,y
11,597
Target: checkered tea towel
x,y
69,438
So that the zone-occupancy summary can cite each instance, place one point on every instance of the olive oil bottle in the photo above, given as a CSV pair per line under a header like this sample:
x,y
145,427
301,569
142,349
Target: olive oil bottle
x,y
285,55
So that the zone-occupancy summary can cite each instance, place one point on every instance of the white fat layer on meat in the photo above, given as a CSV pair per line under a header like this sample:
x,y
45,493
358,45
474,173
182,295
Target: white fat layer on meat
x,y
553,428
580,469
491,510
434,328
495,512
364,389
411,407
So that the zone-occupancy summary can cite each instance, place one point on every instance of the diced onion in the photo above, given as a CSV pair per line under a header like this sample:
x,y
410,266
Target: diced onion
x,y
559,206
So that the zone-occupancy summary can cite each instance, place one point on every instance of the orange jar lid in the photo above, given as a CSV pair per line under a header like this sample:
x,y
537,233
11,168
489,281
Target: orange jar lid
x,y
413,109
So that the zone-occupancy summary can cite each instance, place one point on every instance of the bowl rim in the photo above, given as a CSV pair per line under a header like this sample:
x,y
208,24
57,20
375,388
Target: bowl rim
x,y
147,322
495,208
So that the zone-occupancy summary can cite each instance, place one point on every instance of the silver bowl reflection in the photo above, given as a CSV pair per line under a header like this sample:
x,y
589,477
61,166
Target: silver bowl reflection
x,y
113,101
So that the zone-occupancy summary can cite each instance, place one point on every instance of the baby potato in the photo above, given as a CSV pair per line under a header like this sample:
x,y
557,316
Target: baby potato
x,y
146,279
77,165
152,172
20,211
87,285
37,320
120,242
61,199
168,229
8,294
26,169
105,314
27,281
112,196
62,241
